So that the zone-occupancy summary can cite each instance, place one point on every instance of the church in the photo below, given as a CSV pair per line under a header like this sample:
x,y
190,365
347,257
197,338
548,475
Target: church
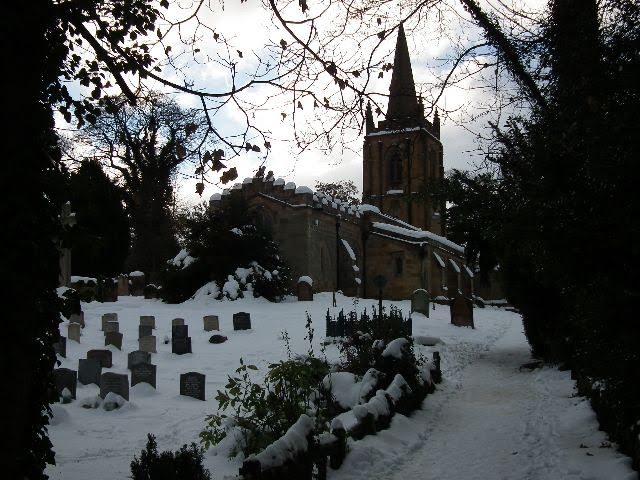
x,y
394,243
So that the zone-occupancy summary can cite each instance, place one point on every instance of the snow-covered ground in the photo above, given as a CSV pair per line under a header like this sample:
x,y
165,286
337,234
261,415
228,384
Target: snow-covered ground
x,y
487,420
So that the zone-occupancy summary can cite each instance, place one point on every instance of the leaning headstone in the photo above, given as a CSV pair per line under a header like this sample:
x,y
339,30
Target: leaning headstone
x,y
241,321
147,344
60,347
179,331
123,286
114,382
137,357
144,331
73,332
305,289
211,322
111,326
65,378
113,338
89,371
192,385
461,309
109,317
77,318
217,339
177,321
148,321
420,302
143,372
103,356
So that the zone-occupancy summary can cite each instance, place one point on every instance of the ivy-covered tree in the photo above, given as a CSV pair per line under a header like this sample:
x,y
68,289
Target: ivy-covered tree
x,y
344,190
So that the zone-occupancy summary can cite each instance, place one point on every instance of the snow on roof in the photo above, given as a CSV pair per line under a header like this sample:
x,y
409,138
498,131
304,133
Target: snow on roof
x,y
226,191
279,181
303,189
455,266
365,207
352,255
439,259
215,197
469,272
395,192
237,186
290,186
247,180
418,235
136,273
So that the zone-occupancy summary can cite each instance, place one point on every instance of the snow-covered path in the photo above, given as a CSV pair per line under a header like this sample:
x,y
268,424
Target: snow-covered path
x,y
493,421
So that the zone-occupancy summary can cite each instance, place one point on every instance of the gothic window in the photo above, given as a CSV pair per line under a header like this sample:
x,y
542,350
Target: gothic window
x,y
395,165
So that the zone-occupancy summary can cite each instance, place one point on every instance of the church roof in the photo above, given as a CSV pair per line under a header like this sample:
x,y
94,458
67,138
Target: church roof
x,y
404,108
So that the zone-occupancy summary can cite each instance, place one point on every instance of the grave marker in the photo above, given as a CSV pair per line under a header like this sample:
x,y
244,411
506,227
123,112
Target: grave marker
x,y
305,290
461,309
420,302
177,321
109,317
143,372
123,286
73,332
111,326
180,346
192,385
179,331
65,378
148,321
144,331
211,322
241,321
77,318
89,371
136,357
61,347
103,356
147,344
113,338
114,382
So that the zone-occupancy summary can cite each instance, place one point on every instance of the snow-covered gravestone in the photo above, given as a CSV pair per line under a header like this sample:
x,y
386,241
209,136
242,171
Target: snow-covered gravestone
x,y
192,385
147,344
136,357
89,371
123,286
461,309
113,338
103,356
180,340
77,318
143,372
117,383
65,378
137,283
420,302
211,322
305,289
241,321
73,332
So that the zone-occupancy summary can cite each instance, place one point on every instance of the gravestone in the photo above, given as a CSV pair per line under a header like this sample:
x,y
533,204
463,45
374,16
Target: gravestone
x,y
137,283
148,321
77,318
103,356
241,321
113,338
109,317
60,347
89,371
144,331
143,372
217,339
420,302
177,321
65,378
147,344
114,382
305,290
111,326
211,322
108,290
180,346
461,309
179,331
192,385
73,332
123,286
136,357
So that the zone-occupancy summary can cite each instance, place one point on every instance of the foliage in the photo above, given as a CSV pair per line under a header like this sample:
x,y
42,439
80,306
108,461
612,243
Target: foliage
x,y
70,302
222,240
183,464
344,190
100,239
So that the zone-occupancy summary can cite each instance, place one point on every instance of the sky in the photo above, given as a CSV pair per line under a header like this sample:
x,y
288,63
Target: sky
x,y
488,419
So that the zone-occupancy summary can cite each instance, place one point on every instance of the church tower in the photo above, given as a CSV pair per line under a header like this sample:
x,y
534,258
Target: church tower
x,y
403,155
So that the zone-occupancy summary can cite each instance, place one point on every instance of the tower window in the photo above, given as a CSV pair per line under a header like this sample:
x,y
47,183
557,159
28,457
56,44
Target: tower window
x,y
396,169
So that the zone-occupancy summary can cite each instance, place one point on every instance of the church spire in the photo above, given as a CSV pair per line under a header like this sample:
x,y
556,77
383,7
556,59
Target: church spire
x,y
368,116
403,109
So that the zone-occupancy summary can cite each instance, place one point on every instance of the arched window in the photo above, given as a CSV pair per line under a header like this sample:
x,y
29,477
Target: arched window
x,y
395,174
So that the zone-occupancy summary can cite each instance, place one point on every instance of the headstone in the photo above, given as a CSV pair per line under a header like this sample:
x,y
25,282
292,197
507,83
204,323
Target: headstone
x,y
305,291
138,281
108,290
109,317
217,339
147,344
123,286
103,356
60,347
114,382
179,331
144,331
89,371
420,302
111,326
65,378
137,357
461,309
192,385
73,332
180,346
241,321
211,322
177,321
148,321
77,318
113,338
143,372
